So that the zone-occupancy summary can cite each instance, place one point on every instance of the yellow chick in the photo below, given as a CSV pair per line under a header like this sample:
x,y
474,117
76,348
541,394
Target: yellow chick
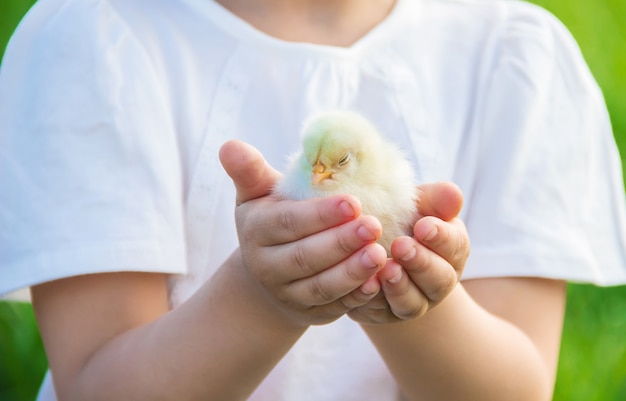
x,y
343,153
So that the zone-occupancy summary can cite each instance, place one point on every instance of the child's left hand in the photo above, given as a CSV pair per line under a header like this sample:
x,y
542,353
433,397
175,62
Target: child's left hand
x,y
426,267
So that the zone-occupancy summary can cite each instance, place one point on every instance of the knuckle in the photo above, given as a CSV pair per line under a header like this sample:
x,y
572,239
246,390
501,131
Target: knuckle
x,y
445,285
322,216
347,303
460,251
343,245
300,261
423,261
287,221
319,293
459,248
351,275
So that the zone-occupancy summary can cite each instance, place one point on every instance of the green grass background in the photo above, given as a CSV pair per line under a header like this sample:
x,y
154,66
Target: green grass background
x,y
592,366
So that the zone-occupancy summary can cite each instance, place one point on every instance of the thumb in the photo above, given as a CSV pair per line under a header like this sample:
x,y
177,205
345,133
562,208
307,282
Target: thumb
x,y
252,175
443,200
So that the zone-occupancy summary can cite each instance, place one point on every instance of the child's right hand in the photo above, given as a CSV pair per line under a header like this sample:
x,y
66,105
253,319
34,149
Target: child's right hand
x,y
314,260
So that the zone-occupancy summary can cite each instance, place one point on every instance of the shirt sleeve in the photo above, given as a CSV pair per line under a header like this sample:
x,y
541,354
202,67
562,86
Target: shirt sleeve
x,y
549,197
90,175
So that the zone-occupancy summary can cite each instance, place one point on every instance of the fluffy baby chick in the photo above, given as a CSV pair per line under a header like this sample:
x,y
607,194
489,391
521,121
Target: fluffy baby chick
x,y
343,153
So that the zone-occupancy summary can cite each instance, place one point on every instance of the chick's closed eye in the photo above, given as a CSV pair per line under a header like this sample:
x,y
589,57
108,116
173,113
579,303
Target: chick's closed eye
x,y
344,160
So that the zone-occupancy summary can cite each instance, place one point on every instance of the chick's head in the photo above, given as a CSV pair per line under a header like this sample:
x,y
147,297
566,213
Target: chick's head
x,y
340,150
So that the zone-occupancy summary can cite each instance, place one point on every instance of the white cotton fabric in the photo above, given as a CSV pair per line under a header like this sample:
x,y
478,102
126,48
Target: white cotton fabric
x,y
112,113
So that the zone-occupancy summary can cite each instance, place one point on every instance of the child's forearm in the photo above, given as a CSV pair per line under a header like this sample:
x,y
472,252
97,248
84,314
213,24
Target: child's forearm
x,y
219,345
459,351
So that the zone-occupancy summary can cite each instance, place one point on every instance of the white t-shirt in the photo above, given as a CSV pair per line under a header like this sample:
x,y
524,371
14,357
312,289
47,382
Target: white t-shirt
x,y
112,113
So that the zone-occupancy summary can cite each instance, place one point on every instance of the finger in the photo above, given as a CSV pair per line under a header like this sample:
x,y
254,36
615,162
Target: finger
x,y
287,221
316,253
363,295
449,240
376,311
252,175
434,276
356,299
335,282
405,299
441,199
370,287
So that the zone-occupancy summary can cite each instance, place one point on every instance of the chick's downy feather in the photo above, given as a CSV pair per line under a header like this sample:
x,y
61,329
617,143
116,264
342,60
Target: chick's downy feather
x,y
343,153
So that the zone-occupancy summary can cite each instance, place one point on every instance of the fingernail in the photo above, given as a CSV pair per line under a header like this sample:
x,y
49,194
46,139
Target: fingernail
x,y
365,234
366,261
346,209
409,255
396,279
432,234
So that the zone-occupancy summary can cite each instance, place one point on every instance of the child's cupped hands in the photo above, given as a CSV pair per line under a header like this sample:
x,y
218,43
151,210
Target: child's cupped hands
x,y
313,260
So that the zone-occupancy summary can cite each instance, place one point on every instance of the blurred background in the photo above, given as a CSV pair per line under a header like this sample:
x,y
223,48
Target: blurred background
x,y
593,353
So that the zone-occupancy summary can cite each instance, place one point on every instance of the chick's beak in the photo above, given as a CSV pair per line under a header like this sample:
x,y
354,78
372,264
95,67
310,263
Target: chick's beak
x,y
319,173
